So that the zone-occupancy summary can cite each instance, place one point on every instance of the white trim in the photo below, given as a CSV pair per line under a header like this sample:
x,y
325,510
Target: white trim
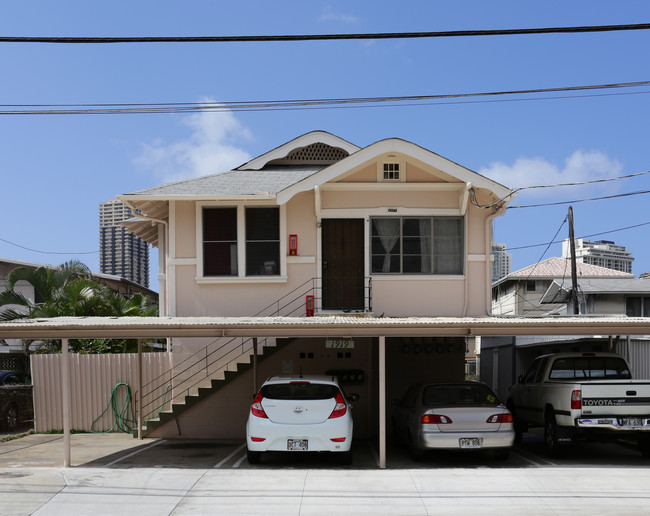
x,y
412,151
183,262
240,279
388,211
476,257
394,186
297,143
171,269
301,259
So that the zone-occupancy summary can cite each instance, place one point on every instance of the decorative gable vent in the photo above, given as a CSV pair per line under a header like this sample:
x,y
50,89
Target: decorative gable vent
x,y
314,153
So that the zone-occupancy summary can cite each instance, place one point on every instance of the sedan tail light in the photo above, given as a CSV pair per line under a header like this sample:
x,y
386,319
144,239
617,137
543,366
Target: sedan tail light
x,y
340,408
256,408
505,417
435,419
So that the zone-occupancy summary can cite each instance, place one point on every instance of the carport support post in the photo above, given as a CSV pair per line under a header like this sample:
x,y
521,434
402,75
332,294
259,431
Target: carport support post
x,y
65,387
254,366
138,397
382,402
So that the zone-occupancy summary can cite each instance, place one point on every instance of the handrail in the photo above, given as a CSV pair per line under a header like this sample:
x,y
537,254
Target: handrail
x,y
197,367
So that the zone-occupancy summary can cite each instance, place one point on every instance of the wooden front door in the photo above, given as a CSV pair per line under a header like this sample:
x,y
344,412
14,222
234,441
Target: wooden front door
x,y
343,264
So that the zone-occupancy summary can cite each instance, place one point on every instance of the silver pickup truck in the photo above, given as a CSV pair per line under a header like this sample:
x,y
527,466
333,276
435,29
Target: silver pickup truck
x,y
581,395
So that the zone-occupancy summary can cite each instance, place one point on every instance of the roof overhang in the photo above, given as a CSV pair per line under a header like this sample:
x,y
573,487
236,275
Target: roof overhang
x,y
331,326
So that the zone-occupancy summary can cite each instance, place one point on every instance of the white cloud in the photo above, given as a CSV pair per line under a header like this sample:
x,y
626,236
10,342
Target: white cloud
x,y
579,167
330,15
211,147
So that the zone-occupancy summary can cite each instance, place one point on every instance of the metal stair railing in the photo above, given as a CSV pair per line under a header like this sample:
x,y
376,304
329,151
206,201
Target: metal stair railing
x,y
219,355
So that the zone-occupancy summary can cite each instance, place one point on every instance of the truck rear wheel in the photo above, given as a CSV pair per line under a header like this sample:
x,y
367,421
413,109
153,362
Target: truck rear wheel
x,y
554,447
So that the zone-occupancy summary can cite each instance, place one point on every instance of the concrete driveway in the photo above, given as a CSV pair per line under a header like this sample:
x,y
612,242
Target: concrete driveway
x,y
116,474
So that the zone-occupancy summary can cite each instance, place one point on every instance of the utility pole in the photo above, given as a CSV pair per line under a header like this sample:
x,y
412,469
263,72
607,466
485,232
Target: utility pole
x,y
574,269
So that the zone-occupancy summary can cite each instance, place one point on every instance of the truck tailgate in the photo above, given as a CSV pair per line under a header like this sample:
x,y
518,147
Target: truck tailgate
x,y
616,398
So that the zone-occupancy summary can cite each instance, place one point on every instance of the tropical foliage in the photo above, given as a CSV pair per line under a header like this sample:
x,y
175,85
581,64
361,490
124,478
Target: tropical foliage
x,y
70,291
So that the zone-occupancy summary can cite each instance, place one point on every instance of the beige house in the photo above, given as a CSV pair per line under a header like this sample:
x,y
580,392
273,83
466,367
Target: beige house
x,y
319,226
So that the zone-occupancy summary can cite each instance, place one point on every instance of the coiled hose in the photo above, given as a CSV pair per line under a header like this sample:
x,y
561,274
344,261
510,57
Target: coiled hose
x,y
123,415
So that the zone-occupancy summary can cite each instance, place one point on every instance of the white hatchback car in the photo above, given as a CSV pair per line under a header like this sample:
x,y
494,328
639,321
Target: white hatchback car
x,y
299,414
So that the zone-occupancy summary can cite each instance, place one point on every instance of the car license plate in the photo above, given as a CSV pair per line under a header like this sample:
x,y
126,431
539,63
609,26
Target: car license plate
x,y
471,442
297,445
632,422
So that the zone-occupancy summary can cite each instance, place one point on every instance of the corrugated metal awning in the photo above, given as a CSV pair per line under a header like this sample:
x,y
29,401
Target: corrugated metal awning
x,y
330,326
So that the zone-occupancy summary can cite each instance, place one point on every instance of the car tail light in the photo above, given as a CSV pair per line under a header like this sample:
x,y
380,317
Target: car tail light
x,y
340,408
338,439
504,417
435,419
576,399
258,439
256,408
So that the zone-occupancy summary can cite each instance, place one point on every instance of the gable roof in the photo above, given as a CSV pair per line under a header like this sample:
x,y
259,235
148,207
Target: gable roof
x,y
557,267
273,176
234,183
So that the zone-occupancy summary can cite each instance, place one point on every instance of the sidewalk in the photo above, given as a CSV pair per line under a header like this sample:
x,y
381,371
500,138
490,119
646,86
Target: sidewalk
x,y
116,474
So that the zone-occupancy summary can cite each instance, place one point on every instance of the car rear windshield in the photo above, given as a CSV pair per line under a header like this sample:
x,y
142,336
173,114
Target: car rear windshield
x,y
589,368
299,391
458,395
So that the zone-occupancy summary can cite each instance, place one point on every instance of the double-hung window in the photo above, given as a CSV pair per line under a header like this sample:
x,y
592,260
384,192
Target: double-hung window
x,y
237,240
417,245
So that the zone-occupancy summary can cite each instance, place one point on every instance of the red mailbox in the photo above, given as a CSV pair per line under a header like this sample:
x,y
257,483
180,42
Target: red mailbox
x,y
309,306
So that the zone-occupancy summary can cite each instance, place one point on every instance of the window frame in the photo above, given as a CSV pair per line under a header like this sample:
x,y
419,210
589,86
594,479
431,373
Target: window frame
x,y
241,277
402,254
401,170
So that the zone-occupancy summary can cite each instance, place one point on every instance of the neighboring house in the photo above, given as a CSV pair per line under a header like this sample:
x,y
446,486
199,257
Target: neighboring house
x,y
524,292
601,292
118,284
322,226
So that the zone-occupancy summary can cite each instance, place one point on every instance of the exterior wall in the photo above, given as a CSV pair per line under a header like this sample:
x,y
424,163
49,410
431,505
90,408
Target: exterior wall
x,y
93,378
393,295
223,415
608,304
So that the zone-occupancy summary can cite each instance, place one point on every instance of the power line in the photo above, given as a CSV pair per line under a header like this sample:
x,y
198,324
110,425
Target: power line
x,y
44,252
267,105
575,201
584,236
325,37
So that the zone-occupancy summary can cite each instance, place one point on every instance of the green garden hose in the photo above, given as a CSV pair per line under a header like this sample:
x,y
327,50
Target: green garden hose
x,y
123,416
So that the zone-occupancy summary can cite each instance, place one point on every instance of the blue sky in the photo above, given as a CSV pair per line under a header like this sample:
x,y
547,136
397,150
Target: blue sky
x,y
56,169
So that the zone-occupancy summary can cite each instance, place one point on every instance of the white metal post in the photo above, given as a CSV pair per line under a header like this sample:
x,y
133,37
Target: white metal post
x,y
382,402
65,388
138,398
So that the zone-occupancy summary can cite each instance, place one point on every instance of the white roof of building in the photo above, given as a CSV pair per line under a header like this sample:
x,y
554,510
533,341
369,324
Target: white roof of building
x,y
556,267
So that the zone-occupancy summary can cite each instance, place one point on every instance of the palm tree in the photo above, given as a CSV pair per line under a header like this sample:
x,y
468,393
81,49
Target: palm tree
x,y
71,291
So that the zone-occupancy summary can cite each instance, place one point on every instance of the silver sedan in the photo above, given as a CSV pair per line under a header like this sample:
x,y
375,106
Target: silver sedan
x,y
453,416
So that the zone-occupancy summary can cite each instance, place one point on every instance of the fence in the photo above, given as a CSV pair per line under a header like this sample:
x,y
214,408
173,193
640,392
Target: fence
x,y
92,381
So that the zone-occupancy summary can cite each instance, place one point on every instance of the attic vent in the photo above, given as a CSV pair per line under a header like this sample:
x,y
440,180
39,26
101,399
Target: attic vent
x,y
317,153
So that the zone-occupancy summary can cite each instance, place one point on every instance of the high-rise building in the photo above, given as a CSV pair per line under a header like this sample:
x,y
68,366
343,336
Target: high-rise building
x,y
603,253
502,263
121,253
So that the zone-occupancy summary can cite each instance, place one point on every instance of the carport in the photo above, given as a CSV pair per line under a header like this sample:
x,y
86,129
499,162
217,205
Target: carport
x,y
287,327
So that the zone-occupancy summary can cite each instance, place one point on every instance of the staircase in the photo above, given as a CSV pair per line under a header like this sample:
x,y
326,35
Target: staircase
x,y
207,385
201,375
